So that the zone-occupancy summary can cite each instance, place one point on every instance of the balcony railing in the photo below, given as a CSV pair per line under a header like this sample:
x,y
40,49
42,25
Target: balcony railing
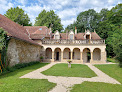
x,y
58,41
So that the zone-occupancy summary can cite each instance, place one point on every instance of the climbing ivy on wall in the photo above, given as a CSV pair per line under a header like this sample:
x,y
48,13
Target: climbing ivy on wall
x,y
4,40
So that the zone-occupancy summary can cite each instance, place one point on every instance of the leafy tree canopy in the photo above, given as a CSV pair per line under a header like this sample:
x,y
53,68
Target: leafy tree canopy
x,y
108,25
18,15
49,19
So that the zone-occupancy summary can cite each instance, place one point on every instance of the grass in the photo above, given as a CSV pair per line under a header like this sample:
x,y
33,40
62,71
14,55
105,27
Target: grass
x,y
113,70
96,87
76,70
113,60
12,83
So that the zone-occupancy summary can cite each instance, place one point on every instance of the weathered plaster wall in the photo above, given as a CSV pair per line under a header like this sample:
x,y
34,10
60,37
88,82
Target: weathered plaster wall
x,y
48,53
21,52
76,54
96,54
66,53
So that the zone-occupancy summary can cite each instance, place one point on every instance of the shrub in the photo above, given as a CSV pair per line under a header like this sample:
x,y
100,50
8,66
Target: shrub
x,y
18,66
41,57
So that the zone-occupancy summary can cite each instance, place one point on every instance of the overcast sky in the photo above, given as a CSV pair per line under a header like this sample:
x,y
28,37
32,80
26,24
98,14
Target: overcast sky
x,y
67,10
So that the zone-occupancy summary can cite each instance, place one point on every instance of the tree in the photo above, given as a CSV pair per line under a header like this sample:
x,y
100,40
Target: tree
x,y
106,22
85,20
17,15
116,40
47,19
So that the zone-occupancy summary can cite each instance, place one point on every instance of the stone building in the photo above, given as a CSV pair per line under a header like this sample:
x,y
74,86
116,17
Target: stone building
x,y
21,48
29,43
85,47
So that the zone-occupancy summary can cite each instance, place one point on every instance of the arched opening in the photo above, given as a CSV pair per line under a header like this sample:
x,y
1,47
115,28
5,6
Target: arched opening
x,y
48,54
76,54
57,54
66,53
97,54
86,55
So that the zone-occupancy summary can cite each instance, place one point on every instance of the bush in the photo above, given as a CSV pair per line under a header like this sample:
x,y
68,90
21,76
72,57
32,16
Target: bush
x,y
18,66
41,57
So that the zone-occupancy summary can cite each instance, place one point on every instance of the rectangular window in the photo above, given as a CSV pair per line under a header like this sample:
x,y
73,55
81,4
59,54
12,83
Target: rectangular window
x,y
56,36
71,36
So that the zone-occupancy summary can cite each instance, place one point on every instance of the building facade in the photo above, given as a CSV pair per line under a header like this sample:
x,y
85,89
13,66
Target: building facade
x,y
29,43
85,47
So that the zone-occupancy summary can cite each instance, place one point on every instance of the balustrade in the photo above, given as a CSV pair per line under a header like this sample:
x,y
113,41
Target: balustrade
x,y
59,41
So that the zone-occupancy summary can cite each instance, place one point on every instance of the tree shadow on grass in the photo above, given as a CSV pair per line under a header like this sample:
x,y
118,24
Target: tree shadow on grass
x,y
19,72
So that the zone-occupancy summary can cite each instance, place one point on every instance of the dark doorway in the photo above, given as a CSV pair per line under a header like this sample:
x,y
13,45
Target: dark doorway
x,y
57,55
87,36
69,55
88,56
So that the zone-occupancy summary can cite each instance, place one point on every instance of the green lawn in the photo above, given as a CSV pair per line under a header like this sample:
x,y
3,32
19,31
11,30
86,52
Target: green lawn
x,y
12,83
96,87
76,70
112,70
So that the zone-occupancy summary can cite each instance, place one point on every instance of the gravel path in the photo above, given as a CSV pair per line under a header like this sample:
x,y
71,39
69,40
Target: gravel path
x,y
64,84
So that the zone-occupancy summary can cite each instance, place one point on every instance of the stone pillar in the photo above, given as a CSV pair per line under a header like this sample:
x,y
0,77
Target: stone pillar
x,y
61,56
71,55
103,57
53,56
81,57
44,55
91,57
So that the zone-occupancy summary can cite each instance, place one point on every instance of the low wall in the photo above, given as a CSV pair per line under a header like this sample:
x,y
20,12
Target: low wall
x,y
22,52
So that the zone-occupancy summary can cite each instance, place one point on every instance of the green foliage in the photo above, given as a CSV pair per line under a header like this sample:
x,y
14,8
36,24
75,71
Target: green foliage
x,y
41,57
113,60
106,23
18,66
49,19
116,40
18,15
85,20
2,38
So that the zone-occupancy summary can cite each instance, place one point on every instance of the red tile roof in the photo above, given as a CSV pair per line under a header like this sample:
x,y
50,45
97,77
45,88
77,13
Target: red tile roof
x,y
94,36
79,36
64,36
14,29
37,29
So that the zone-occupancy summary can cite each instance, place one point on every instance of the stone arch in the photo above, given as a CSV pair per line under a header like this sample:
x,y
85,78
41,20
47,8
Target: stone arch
x,y
66,53
86,55
97,54
57,54
76,54
48,53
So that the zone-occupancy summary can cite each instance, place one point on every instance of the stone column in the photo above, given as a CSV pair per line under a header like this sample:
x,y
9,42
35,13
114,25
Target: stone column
x,y
71,55
91,57
61,56
103,57
81,57
52,56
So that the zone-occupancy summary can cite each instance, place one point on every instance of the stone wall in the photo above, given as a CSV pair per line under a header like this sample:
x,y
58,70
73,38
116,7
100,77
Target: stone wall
x,y
22,52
